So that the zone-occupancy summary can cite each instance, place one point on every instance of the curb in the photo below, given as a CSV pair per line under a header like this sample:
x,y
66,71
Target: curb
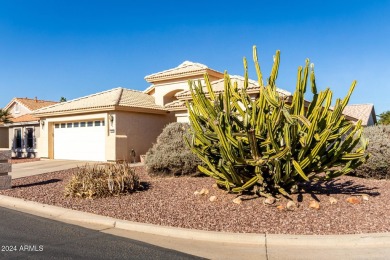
x,y
63,214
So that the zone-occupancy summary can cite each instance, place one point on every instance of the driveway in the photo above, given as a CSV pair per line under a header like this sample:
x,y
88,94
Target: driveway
x,y
43,166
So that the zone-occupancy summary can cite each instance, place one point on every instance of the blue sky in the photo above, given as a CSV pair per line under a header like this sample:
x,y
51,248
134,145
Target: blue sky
x,y
72,48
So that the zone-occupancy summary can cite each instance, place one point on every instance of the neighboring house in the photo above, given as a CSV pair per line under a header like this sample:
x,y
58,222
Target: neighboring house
x,y
25,129
114,125
364,112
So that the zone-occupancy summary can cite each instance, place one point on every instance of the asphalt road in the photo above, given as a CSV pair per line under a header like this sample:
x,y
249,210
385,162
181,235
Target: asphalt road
x,y
25,236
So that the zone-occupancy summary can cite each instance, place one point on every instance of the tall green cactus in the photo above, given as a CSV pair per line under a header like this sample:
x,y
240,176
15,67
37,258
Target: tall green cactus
x,y
273,142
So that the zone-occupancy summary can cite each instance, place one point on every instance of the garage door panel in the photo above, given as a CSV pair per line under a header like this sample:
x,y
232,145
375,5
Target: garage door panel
x,y
79,143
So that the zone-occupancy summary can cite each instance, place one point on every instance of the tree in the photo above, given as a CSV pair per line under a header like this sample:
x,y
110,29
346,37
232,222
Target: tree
x,y
63,99
384,118
5,116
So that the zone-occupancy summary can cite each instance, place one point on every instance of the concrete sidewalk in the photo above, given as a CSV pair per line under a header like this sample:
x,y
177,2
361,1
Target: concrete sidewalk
x,y
219,245
20,170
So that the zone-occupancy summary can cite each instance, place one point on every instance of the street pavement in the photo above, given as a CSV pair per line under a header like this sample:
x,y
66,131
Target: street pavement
x,y
25,236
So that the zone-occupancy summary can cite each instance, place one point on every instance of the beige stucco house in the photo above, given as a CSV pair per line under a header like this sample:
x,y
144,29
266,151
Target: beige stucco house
x,y
122,124
114,125
21,136
167,84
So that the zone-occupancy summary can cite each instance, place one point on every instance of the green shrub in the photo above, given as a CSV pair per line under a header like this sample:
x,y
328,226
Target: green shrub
x,y
378,165
96,181
273,142
170,155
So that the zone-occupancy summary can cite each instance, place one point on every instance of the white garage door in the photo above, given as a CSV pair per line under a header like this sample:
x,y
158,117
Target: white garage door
x,y
80,140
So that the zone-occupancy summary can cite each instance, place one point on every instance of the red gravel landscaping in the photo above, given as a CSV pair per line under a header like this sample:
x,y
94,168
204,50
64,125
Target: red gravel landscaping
x,y
171,202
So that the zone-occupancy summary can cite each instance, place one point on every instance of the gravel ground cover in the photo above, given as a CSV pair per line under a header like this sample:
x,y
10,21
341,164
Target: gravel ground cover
x,y
172,202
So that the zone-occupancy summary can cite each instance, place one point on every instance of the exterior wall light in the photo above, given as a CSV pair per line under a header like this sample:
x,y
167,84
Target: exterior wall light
x,y
112,120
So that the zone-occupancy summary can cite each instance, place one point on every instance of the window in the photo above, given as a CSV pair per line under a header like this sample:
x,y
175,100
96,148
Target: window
x,y
18,138
90,124
30,137
69,125
57,125
76,124
97,123
82,124
16,108
63,125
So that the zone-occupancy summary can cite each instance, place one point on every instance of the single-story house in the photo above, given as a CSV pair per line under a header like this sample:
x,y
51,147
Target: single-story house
x,y
114,125
21,136
122,124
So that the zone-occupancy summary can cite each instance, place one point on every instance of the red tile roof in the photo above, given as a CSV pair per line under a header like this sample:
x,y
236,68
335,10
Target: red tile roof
x,y
24,118
34,104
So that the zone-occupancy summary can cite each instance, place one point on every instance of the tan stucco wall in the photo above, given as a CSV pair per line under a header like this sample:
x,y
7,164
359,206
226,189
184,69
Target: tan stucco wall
x,y
138,131
22,110
182,116
165,88
4,137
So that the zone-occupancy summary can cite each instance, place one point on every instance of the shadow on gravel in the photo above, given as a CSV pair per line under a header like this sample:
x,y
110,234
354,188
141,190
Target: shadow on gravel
x,y
145,186
37,183
334,187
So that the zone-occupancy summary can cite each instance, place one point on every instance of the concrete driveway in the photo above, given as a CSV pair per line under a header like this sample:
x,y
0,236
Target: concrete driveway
x,y
43,166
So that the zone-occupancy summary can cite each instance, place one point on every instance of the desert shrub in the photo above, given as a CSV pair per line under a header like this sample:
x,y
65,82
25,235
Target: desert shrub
x,y
170,155
96,181
378,165
273,142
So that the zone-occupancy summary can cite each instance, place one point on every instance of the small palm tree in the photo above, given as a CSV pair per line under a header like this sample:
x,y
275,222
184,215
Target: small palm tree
x,y
5,116
384,118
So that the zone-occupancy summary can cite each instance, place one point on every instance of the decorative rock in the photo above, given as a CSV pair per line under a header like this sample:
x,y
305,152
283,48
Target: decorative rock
x,y
269,201
5,182
204,192
5,168
291,205
353,200
237,200
332,200
196,193
365,197
213,198
215,186
280,207
314,205
5,155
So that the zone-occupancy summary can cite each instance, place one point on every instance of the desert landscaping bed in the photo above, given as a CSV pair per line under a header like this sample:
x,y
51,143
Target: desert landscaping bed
x,y
171,202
